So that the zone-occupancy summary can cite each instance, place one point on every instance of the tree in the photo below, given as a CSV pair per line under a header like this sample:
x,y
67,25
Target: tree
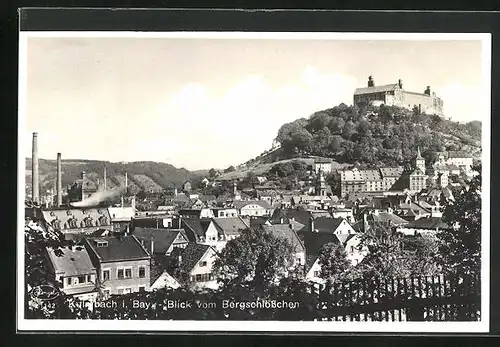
x,y
230,169
256,257
212,173
333,261
461,246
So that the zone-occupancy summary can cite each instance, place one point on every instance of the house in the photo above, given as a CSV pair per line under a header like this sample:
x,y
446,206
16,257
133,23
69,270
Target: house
x,y
316,240
461,159
428,225
187,186
196,213
153,221
195,266
205,182
122,263
323,165
75,221
161,241
164,280
201,231
345,213
72,267
252,208
224,212
230,228
121,217
287,232
336,226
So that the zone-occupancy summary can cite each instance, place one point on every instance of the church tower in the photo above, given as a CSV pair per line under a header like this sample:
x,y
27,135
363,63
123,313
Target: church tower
x,y
419,161
320,184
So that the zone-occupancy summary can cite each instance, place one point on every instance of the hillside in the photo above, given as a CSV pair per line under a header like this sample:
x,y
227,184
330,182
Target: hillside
x,y
142,176
368,135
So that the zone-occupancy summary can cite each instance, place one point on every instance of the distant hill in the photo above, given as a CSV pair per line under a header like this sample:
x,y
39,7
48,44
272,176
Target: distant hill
x,y
367,135
142,175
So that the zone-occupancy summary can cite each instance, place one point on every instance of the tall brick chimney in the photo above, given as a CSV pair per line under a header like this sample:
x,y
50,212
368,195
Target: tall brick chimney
x,y
84,180
59,181
34,170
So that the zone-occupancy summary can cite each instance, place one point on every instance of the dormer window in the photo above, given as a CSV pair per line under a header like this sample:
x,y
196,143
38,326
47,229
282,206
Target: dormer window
x,y
68,212
84,211
52,214
102,243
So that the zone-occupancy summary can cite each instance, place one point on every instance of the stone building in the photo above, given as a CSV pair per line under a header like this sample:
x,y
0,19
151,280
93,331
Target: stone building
x,y
395,95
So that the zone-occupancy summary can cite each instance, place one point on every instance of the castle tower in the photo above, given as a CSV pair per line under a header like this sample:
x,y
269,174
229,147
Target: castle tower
x,y
371,82
419,161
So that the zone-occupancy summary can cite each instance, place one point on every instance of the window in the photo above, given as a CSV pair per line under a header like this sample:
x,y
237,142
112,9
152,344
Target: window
x,y
120,274
120,291
89,278
317,273
128,273
142,272
198,278
68,281
81,279
203,263
142,288
106,292
105,275
128,290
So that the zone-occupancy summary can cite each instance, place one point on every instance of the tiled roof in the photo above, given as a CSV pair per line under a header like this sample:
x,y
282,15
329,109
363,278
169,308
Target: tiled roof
x,y
372,175
352,175
391,171
300,216
376,89
285,232
98,217
262,203
313,242
191,255
119,248
73,261
162,238
195,228
386,217
322,161
230,225
327,224
458,154
428,223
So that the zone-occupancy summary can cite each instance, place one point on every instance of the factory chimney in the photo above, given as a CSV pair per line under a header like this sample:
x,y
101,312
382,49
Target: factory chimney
x,y
126,183
84,180
34,170
104,177
59,181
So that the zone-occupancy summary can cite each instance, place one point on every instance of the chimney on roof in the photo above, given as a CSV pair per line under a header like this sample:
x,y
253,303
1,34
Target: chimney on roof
x,y
400,83
126,182
428,91
58,182
311,224
152,245
371,83
34,170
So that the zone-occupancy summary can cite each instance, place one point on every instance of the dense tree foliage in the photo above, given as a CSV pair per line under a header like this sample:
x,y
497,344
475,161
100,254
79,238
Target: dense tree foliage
x,y
461,247
257,257
374,135
333,261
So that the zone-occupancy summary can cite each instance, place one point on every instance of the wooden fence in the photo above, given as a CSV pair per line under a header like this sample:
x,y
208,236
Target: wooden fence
x,y
425,298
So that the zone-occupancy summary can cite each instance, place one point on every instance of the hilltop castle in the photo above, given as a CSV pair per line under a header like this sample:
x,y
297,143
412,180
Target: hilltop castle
x,y
395,95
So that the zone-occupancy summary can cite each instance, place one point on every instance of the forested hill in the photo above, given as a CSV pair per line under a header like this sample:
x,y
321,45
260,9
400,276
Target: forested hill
x,y
385,135
142,176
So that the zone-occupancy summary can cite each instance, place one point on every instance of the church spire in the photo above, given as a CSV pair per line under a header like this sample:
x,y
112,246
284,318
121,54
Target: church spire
x,y
419,156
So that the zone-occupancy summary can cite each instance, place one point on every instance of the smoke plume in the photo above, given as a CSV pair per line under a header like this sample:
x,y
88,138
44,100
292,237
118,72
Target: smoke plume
x,y
99,197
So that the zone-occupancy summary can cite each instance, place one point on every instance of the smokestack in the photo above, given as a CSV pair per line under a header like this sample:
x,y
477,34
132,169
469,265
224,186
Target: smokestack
x,y
84,178
59,181
311,224
104,177
175,191
34,170
152,246
133,203
126,182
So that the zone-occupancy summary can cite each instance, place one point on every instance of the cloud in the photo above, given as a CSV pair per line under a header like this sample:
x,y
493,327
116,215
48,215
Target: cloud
x,y
241,122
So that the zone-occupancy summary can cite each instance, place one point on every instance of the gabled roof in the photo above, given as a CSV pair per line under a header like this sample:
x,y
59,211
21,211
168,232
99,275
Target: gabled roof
x,y
391,171
71,261
99,217
376,89
313,242
162,238
458,154
191,255
300,216
262,203
285,232
428,223
230,225
386,217
327,224
195,228
119,248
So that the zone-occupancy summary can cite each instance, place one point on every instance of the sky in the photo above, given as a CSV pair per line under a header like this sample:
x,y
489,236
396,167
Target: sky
x,y
200,103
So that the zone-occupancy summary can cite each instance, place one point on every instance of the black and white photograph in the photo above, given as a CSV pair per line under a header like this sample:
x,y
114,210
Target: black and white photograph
x,y
254,181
